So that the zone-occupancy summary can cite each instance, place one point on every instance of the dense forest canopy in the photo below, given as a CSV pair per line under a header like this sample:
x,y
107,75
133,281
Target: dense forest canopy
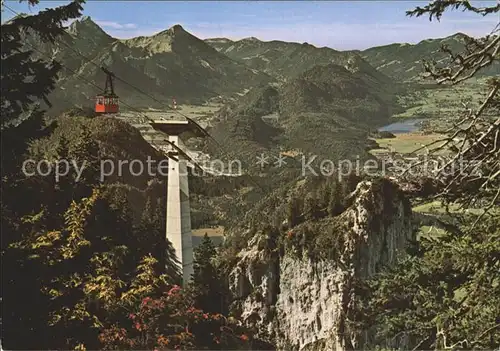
x,y
85,263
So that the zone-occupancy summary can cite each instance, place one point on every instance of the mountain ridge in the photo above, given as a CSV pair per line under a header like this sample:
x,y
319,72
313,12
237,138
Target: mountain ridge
x,y
326,110
167,64
383,58
175,63
280,59
404,61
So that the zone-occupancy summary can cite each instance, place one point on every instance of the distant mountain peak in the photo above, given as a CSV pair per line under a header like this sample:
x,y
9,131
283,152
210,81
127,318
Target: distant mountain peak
x,y
85,20
251,39
459,35
87,26
172,32
176,28
174,39
218,40
307,45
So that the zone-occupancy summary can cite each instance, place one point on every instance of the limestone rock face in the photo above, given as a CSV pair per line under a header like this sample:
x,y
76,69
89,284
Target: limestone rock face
x,y
302,302
255,280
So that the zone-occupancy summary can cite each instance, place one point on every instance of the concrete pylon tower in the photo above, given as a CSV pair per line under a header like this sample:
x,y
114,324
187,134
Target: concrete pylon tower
x,y
178,213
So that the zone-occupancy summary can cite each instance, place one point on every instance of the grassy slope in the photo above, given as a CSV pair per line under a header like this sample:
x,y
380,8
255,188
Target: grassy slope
x,y
439,210
442,101
406,143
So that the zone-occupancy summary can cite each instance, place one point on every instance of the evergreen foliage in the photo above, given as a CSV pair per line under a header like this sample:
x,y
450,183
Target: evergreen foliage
x,y
76,264
208,284
336,200
294,212
24,79
445,295
80,271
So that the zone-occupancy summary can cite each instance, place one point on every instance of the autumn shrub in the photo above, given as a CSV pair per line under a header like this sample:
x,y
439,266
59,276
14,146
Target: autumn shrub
x,y
172,322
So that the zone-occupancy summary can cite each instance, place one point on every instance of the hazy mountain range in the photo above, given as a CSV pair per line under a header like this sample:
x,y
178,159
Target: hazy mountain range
x,y
170,63
174,63
400,61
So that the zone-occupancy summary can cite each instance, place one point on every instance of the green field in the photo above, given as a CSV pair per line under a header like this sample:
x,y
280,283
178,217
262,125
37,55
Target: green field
x,y
406,143
196,112
430,231
438,209
442,101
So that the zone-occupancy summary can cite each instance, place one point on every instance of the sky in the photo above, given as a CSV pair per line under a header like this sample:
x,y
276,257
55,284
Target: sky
x,y
342,25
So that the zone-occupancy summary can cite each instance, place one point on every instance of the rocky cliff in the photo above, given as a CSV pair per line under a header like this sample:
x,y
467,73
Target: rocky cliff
x,y
301,297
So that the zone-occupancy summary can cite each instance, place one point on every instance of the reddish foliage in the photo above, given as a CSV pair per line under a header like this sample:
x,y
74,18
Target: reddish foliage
x,y
175,289
173,322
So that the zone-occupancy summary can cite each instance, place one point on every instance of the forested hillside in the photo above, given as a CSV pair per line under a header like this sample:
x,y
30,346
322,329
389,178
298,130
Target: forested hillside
x,y
403,257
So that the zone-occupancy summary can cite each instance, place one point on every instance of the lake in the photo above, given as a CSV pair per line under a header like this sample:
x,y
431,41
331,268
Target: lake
x,y
407,126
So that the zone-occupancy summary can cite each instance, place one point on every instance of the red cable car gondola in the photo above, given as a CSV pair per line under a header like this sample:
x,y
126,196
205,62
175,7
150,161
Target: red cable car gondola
x,y
107,102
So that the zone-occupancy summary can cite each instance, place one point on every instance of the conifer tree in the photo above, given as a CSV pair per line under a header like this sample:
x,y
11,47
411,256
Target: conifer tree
x,y
85,152
336,203
444,295
294,212
64,186
163,248
62,150
151,234
351,182
325,194
311,207
207,284
26,80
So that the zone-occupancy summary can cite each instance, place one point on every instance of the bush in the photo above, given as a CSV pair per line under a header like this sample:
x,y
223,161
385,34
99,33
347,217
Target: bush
x,y
386,134
172,322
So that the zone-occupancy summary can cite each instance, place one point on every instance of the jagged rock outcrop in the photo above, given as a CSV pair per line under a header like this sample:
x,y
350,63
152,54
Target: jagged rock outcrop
x,y
301,298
